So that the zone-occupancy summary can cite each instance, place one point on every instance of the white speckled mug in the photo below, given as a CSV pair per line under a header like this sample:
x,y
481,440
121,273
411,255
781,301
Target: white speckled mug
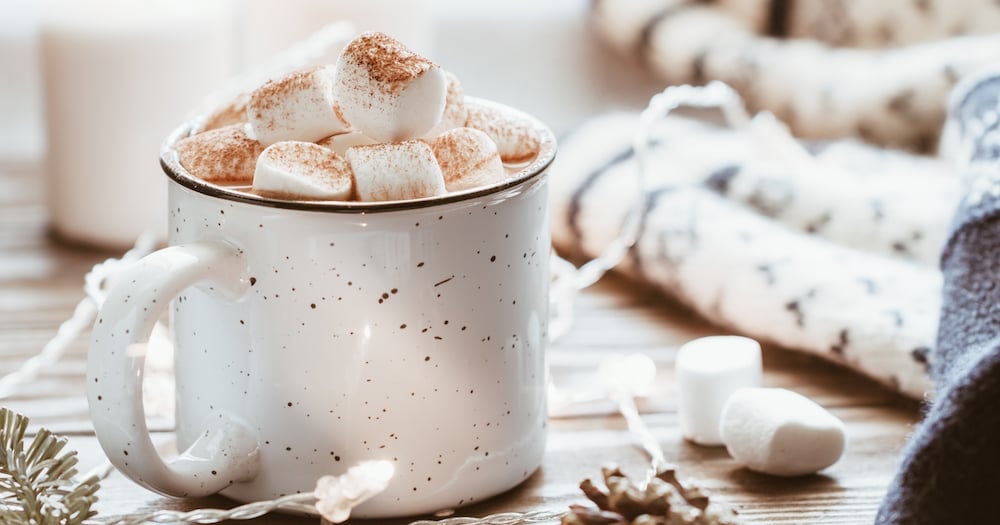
x,y
311,336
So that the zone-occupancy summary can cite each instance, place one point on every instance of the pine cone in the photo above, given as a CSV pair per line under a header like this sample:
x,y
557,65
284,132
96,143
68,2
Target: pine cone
x,y
664,501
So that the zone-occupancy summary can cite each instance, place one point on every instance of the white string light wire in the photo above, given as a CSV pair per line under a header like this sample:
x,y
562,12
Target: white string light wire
x,y
83,317
624,378
569,280
333,499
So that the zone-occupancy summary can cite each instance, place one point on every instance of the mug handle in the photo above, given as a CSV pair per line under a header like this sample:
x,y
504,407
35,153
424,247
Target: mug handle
x,y
225,453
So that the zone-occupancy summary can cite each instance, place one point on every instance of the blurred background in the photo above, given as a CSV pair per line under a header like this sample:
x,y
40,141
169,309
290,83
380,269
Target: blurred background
x,y
537,56
91,88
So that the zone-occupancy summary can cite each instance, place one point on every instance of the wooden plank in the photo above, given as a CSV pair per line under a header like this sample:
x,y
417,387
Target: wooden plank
x,y
41,283
849,492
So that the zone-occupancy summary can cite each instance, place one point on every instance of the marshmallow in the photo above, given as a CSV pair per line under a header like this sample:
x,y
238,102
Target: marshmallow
x,y
708,371
455,113
468,159
299,106
516,138
221,155
234,112
340,142
303,170
780,432
386,91
396,171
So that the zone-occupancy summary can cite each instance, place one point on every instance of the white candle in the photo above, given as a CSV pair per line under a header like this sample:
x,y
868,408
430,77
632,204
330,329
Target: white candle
x,y
20,102
119,75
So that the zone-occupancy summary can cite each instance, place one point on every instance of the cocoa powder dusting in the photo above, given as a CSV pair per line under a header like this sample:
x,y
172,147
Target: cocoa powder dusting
x,y
234,112
310,161
265,97
340,115
516,138
307,156
387,60
225,154
468,158
454,102
454,154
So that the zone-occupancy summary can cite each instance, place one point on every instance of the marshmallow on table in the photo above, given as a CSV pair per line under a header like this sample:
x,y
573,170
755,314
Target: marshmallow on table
x,y
303,170
455,114
225,154
468,159
340,142
516,138
395,171
299,106
780,432
708,371
386,91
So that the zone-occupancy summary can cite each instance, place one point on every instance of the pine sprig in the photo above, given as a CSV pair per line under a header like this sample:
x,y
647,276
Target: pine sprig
x,y
37,485
664,500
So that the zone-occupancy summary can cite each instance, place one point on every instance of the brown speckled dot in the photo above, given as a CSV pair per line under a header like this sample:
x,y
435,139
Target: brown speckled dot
x,y
427,358
313,306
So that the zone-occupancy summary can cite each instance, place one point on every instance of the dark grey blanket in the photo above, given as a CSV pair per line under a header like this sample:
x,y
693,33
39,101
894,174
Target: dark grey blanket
x,y
951,467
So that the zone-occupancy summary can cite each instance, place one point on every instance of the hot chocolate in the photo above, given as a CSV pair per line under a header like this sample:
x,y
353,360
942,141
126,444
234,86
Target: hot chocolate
x,y
312,332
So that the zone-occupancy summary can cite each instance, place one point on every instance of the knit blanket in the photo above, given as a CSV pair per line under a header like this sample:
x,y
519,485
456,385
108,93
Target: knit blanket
x,y
831,247
879,70
839,263
951,466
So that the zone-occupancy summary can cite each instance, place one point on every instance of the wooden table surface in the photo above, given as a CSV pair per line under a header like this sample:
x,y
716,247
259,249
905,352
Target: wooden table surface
x,y
41,283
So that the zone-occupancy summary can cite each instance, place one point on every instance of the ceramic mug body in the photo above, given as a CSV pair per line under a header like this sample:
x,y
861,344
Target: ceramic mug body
x,y
325,336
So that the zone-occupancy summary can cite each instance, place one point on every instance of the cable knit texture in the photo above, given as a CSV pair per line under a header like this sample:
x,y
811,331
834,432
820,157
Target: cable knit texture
x,y
951,467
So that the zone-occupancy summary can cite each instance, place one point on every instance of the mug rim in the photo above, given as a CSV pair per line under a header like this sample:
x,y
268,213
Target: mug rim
x,y
170,163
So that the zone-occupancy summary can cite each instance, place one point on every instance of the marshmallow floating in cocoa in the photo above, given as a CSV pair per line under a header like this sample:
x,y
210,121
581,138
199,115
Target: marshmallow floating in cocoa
x,y
225,154
468,159
396,171
387,91
780,432
708,371
303,170
455,114
516,138
298,106
340,142
232,112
